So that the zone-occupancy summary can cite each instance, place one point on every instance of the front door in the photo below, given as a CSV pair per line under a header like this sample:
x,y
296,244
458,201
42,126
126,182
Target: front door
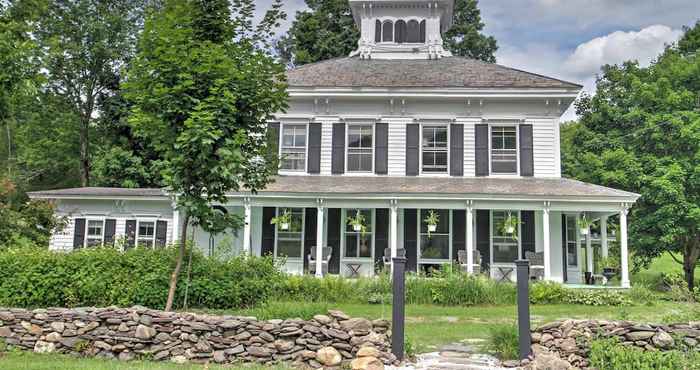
x,y
571,242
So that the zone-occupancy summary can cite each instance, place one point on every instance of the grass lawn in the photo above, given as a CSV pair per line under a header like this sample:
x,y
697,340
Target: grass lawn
x,y
664,263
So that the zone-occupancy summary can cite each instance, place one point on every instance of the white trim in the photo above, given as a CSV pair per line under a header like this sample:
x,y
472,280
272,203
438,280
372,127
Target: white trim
x,y
137,232
517,150
447,125
347,146
283,171
87,227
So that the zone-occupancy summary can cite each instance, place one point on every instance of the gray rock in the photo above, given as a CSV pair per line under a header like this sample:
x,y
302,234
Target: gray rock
x,y
127,356
6,332
639,335
323,319
235,350
44,347
146,320
53,337
162,337
328,356
145,332
356,325
340,315
266,336
258,351
6,316
102,345
58,326
662,340
219,357
284,345
161,355
179,359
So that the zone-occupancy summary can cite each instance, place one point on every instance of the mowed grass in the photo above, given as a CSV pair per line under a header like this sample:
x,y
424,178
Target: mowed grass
x,y
662,264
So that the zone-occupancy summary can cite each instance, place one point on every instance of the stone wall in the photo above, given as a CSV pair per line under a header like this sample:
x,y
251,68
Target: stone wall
x,y
138,332
567,342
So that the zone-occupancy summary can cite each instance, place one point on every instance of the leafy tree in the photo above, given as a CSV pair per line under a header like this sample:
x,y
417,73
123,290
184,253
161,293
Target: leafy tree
x,y
327,30
641,132
202,89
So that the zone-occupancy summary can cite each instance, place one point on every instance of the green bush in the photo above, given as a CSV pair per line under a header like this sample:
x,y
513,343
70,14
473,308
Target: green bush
x,y
610,354
503,341
600,297
547,292
105,276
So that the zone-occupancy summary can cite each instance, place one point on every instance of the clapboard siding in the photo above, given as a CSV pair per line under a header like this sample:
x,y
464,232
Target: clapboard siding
x,y
469,143
397,148
544,137
326,144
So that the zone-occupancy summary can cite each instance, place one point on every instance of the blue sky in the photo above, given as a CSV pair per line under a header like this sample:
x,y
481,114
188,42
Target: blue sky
x,y
571,39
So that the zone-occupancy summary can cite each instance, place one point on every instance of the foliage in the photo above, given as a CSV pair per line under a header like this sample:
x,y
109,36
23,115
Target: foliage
x,y
640,293
327,30
610,354
600,297
509,226
584,223
284,218
641,132
432,219
547,292
503,341
286,310
358,221
32,277
116,166
609,262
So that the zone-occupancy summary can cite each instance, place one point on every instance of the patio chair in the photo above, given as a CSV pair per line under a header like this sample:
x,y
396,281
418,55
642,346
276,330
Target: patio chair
x,y
536,265
462,260
326,253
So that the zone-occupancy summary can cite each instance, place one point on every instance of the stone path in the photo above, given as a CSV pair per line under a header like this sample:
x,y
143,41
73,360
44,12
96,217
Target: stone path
x,y
459,356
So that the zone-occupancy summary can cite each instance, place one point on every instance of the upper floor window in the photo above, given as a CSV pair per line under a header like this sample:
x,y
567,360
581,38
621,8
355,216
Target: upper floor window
x,y
293,148
435,149
400,31
360,148
504,150
94,234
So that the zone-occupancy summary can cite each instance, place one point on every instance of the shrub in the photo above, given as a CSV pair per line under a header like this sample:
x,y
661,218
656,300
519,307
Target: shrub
x,y
610,354
597,297
503,341
105,276
547,292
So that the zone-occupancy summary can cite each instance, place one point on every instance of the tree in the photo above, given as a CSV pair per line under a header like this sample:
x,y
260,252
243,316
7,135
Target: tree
x,y
202,89
327,30
641,132
86,43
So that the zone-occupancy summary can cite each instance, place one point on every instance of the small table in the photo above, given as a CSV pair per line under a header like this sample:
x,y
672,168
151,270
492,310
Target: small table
x,y
354,269
505,273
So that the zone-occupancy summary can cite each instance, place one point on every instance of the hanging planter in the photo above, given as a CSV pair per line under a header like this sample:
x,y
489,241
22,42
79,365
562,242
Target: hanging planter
x,y
584,224
509,226
431,221
358,223
282,221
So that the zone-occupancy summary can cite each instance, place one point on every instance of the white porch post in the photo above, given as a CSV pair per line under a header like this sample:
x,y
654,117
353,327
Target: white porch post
x,y
246,227
176,223
469,236
394,228
604,236
546,241
319,238
625,282
589,252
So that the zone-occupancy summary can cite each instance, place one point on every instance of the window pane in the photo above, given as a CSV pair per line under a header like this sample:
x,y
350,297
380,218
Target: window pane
x,y
435,247
443,226
288,248
505,248
366,245
356,243
146,229
351,244
366,162
413,32
387,32
289,242
360,148
504,154
293,151
94,228
434,149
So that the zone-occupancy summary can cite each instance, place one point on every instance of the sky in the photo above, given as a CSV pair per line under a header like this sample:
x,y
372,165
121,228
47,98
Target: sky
x,y
572,39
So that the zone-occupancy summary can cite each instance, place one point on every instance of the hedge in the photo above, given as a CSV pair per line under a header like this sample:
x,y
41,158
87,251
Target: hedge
x,y
32,277
611,354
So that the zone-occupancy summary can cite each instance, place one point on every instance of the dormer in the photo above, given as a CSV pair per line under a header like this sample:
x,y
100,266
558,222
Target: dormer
x,y
393,29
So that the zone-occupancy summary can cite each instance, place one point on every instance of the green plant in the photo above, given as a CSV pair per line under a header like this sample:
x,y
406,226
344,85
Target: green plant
x,y
611,354
358,222
409,347
609,262
509,226
431,221
503,341
597,297
282,221
584,224
547,292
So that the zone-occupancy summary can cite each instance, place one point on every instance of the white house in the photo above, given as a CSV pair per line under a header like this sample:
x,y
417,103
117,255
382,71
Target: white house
x,y
394,131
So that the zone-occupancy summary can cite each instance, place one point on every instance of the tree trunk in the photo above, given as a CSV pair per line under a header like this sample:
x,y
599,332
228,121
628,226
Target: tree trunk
x,y
178,265
84,151
691,254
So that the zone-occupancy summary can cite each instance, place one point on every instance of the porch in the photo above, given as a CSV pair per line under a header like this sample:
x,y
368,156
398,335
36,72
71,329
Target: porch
x,y
470,217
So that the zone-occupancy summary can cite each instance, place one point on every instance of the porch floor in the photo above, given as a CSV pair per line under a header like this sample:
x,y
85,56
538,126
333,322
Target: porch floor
x,y
585,286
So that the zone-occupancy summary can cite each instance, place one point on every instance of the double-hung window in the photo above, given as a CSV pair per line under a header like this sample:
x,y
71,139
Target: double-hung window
x,y
360,148
358,243
505,246
94,234
571,241
435,245
504,150
290,237
146,234
434,149
293,148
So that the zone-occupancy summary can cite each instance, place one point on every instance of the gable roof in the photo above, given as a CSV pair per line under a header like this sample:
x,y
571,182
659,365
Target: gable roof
x,y
448,72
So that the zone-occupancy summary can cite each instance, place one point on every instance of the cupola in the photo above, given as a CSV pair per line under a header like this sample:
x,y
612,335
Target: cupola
x,y
394,29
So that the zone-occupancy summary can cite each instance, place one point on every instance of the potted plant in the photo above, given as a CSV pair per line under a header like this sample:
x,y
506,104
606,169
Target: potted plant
x,y
432,220
358,222
509,226
282,221
584,224
611,266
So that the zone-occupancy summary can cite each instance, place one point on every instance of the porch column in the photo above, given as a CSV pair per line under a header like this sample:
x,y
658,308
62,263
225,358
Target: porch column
x,y
625,281
319,238
470,235
604,236
246,227
545,243
176,223
589,252
394,228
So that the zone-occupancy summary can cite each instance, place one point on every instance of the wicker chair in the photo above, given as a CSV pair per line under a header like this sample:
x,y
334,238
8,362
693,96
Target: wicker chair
x,y
326,252
462,259
536,265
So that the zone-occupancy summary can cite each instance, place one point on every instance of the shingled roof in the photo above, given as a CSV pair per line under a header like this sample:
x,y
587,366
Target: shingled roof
x,y
449,72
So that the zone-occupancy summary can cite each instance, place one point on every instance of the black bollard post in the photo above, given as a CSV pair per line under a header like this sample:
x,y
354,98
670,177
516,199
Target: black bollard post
x,y
398,305
523,275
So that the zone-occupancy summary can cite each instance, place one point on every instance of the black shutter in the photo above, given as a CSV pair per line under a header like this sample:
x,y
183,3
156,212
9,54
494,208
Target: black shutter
x,y
79,233
338,150
309,234
334,239
527,228
410,238
422,32
527,166
268,232
314,148
378,31
481,148
412,149
381,236
130,232
161,233
273,144
381,149
456,150
110,230
564,272
459,231
483,234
